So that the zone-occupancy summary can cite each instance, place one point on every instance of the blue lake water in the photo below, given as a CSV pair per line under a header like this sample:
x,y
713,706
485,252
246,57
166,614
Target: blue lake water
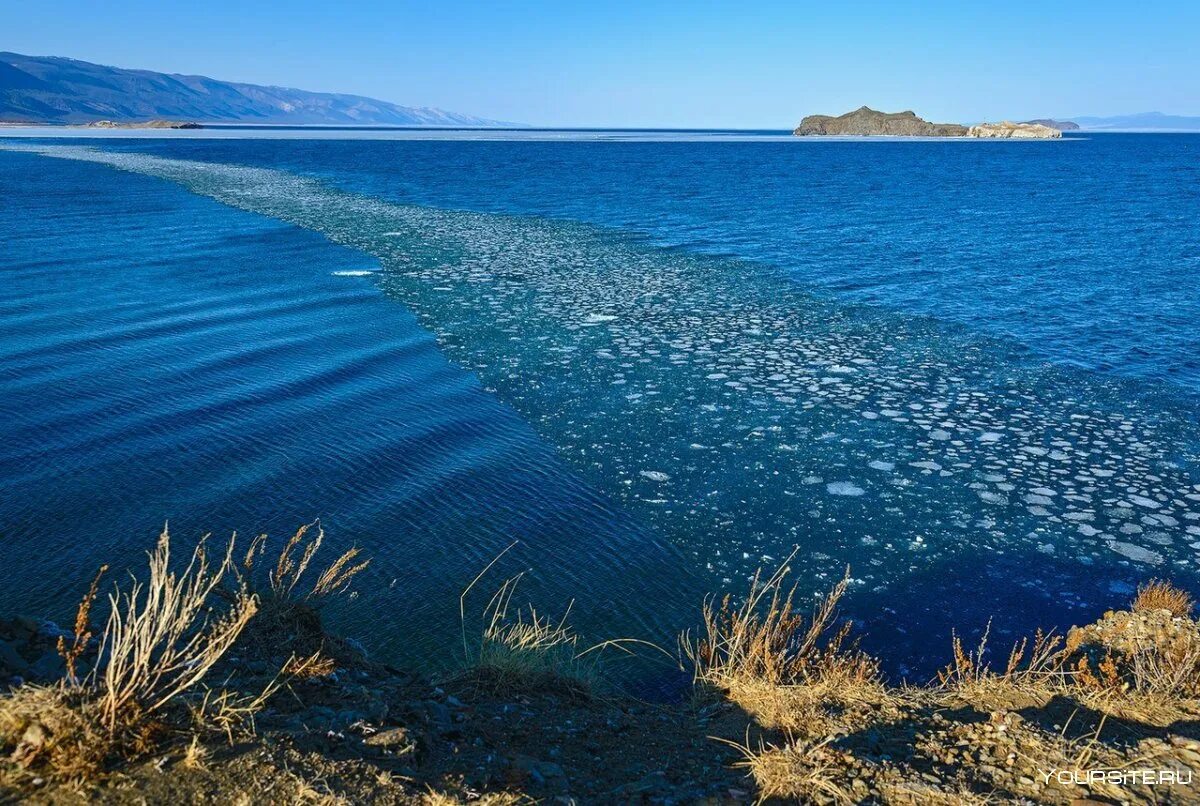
x,y
967,370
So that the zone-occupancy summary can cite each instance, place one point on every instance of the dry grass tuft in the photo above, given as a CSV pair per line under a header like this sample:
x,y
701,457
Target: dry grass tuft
x,y
290,622
789,671
1140,655
1032,671
519,647
313,667
231,712
83,630
432,798
294,561
52,728
1159,595
797,772
163,637
196,755
764,640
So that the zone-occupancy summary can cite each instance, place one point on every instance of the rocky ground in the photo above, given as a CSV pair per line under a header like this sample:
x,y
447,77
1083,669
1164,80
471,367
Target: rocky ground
x,y
367,732
1089,720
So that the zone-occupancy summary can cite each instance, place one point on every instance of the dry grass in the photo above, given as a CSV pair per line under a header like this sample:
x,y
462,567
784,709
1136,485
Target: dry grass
x,y
293,563
1032,672
315,666
519,648
792,672
162,636
766,640
1159,595
1168,670
231,712
49,727
290,622
80,638
1155,668
839,734
1147,654
432,798
196,755
797,772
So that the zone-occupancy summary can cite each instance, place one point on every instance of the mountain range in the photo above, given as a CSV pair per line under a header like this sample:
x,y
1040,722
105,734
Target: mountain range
x,y
1147,121
57,90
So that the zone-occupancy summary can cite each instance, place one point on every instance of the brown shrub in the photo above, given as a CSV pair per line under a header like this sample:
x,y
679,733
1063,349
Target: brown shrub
x,y
1159,595
163,637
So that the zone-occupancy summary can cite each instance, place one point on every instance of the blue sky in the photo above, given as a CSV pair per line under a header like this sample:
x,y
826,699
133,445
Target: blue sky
x,y
657,63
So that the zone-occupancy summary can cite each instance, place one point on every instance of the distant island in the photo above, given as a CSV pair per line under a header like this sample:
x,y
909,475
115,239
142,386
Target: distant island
x,y
55,90
149,124
1007,130
867,122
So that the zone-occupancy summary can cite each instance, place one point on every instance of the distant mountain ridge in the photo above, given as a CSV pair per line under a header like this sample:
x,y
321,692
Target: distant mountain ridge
x,y
53,89
1061,125
1145,121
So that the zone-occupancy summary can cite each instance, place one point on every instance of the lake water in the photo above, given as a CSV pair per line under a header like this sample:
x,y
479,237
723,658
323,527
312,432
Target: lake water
x,y
968,370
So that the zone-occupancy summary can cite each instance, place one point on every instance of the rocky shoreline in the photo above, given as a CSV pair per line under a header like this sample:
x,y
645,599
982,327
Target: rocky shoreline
x,y
29,651
784,709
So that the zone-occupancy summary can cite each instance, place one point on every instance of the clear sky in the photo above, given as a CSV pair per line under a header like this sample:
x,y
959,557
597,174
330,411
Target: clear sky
x,y
654,63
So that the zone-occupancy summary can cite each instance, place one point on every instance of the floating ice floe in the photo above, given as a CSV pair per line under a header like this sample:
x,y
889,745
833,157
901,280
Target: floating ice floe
x,y
1136,553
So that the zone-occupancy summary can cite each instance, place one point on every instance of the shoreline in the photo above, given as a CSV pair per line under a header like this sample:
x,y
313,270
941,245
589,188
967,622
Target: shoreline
x,y
530,714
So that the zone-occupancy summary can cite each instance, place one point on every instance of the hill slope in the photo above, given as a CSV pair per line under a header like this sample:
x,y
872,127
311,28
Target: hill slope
x,y
51,89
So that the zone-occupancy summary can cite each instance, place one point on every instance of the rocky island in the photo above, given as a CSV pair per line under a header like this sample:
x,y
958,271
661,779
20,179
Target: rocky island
x,y
1014,131
867,122
149,124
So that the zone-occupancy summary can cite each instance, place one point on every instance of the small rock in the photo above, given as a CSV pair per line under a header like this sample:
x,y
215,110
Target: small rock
x,y
397,740
32,741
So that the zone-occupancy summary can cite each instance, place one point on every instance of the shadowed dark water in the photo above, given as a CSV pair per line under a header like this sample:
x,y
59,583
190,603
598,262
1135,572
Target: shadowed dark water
x,y
654,408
